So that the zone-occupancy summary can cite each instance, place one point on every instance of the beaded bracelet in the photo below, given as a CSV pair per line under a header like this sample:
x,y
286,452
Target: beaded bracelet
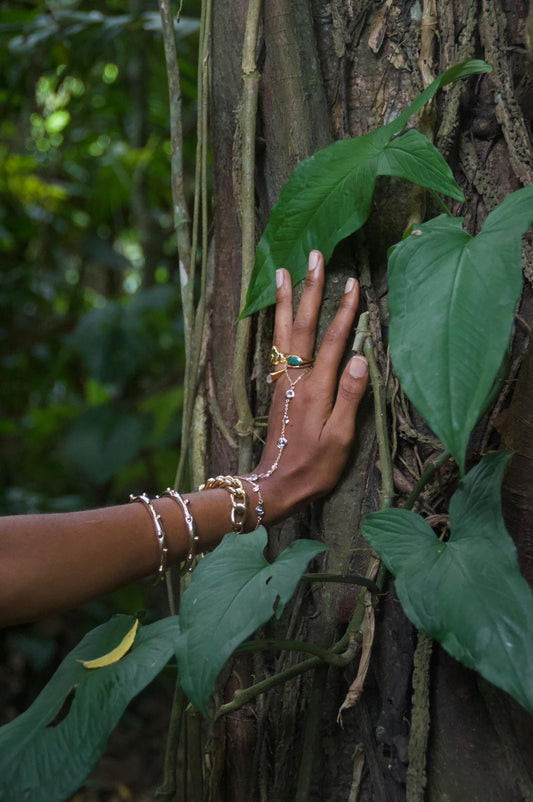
x,y
239,499
189,522
159,533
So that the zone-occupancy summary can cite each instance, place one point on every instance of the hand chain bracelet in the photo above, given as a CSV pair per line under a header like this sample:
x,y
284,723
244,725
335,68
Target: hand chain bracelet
x,y
281,444
260,509
239,499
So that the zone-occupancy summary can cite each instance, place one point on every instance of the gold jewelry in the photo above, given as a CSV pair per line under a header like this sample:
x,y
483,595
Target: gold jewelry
x,y
276,357
274,375
289,360
239,499
189,522
159,533
295,361
282,440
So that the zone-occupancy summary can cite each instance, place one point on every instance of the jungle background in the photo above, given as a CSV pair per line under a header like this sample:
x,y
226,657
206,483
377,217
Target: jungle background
x,y
93,354
91,332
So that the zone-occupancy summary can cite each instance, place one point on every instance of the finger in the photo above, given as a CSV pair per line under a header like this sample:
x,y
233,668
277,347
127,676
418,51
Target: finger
x,y
283,316
332,348
352,386
305,323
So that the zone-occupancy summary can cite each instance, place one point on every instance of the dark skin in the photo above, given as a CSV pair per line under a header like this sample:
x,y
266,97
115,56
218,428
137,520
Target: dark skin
x,y
53,562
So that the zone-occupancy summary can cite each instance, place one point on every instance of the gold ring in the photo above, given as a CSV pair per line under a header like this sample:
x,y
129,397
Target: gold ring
x,y
276,357
289,360
295,361
275,375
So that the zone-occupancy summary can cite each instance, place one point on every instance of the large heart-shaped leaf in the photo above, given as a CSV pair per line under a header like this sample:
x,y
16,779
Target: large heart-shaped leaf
x,y
233,592
467,592
328,196
46,763
452,299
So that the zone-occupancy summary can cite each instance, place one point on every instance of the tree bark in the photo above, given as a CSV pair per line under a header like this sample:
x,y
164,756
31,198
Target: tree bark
x,y
331,70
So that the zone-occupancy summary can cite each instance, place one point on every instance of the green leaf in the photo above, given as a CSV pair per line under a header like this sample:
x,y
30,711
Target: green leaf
x,y
468,592
233,591
452,299
46,763
328,196
462,70
413,157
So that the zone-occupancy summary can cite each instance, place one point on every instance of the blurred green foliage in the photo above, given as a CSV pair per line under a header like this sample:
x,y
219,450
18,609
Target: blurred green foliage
x,y
91,344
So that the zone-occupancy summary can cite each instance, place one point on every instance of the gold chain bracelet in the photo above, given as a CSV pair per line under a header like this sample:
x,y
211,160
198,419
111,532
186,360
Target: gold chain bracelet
x,y
239,499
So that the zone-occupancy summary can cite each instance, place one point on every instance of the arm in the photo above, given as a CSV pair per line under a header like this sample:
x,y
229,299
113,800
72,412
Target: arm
x,y
51,562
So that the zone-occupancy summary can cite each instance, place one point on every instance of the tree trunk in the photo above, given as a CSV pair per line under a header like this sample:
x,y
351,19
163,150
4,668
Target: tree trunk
x,y
331,70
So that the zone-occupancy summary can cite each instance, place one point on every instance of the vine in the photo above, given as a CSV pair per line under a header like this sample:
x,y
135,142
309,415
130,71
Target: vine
x,y
193,315
250,86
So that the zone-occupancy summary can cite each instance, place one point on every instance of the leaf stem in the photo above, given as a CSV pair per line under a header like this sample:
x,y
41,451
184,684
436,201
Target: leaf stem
x,y
194,774
432,468
348,642
167,791
440,203
272,644
382,434
311,737
247,694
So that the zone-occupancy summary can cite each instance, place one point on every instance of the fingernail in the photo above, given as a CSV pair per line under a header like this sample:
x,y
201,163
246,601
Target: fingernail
x,y
314,259
349,285
279,277
358,365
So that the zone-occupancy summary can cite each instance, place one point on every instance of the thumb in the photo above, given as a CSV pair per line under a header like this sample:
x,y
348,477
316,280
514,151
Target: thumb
x,y
352,387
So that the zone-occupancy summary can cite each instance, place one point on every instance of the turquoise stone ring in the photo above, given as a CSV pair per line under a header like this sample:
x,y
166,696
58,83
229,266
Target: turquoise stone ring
x,y
290,361
295,361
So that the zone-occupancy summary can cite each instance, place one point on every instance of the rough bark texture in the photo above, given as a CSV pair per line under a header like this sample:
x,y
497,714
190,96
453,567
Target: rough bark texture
x,y
330,70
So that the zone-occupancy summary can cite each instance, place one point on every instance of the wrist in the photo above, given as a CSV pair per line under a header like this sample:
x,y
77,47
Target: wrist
x,y
268,504
255,502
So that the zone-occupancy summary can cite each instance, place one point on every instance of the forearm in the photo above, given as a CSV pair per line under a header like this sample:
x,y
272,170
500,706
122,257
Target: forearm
x,y
53,562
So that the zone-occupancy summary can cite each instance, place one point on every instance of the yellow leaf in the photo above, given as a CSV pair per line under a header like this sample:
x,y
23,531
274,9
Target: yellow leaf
x,y
115,654
124,792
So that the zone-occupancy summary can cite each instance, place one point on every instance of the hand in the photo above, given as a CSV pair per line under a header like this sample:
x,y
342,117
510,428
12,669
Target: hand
x,y
321,424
